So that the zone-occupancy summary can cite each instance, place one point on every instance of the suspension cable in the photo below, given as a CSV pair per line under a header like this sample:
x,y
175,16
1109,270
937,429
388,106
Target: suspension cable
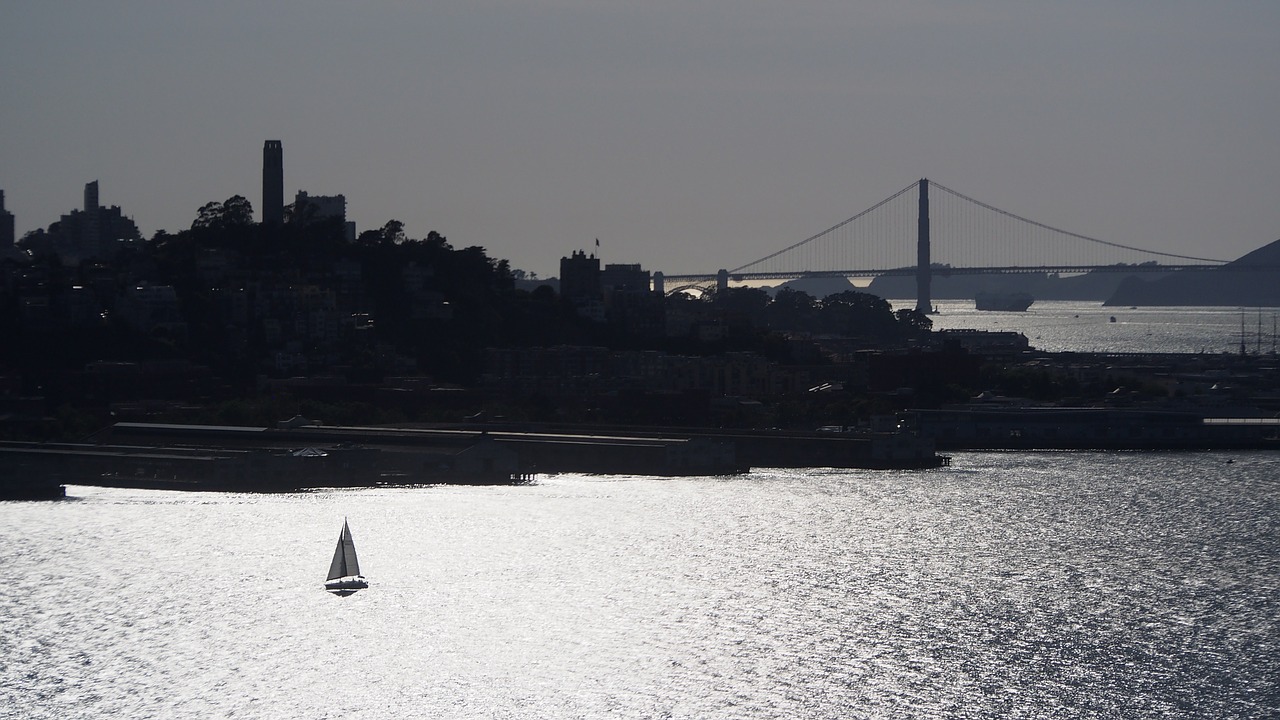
x,y
1054,229
824,232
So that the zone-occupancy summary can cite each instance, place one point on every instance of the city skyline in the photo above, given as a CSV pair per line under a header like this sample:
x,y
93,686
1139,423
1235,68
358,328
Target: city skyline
x,y
686,139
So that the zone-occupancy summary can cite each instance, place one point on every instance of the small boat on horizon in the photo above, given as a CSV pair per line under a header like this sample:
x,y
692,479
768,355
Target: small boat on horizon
x,y
344,571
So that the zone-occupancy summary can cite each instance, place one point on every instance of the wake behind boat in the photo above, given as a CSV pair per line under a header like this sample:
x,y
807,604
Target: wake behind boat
x,y
344,572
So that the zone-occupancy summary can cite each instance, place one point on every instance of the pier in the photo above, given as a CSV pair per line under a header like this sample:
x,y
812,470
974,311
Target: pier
x,y
299,457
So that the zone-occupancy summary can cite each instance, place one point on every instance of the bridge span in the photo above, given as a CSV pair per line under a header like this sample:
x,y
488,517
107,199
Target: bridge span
x,y
951,235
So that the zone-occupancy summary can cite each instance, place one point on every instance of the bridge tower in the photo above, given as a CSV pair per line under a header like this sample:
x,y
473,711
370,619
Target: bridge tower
x,y
924,295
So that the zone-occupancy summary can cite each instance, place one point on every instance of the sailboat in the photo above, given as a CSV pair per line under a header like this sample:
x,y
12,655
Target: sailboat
x,y
344,572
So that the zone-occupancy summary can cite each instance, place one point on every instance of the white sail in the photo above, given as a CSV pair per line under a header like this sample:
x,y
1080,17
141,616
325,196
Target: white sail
x,y
344,562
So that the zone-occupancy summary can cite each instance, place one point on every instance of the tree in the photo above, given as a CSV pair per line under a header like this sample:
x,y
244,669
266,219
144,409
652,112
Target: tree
x,y
742,305
792,310
208,216
369,238
913,321
235,212
858,313
393,232
38,243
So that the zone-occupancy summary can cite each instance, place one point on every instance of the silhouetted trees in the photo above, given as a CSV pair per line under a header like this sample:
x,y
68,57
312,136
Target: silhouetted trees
x,y
846,314
793,310
235,211
252,301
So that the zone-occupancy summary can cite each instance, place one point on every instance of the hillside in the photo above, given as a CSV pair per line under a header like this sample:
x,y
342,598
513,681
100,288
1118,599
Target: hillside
x,y
1097,285
1252,280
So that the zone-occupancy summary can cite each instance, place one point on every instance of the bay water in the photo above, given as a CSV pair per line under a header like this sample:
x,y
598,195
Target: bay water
x,y
1063,585
1079,326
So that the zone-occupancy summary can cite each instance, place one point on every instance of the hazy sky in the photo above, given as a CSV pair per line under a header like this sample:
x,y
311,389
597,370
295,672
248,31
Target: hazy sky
x,y
686,136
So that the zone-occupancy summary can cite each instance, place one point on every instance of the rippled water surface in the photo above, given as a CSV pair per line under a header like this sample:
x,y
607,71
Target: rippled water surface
x,y
1061,326
1008,585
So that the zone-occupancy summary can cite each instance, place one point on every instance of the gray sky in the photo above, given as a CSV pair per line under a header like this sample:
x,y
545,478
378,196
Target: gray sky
x,y
687,136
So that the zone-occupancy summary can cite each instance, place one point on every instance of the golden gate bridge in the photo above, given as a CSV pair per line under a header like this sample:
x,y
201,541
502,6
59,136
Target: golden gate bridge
x,y
912,233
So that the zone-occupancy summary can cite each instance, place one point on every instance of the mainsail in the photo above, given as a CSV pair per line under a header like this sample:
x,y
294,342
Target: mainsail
x,y
344,562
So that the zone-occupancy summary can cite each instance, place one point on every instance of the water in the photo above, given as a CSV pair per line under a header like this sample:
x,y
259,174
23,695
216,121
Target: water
x,y
1065,585
1061,326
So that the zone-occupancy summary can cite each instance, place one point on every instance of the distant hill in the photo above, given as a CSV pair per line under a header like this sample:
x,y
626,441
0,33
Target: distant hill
x,y
531,285
818,287
1098,285
1267,256
1253,280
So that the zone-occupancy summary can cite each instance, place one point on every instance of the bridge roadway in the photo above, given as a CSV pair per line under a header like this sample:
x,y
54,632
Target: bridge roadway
x,y
948,271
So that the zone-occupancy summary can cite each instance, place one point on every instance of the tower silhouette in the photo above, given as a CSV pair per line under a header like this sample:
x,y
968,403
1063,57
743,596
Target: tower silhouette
x,y
6,225
91,230
924,269
272,183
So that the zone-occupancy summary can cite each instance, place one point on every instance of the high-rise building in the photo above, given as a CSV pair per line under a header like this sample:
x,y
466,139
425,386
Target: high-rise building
x,y
93,231
6,225
311,208
272,183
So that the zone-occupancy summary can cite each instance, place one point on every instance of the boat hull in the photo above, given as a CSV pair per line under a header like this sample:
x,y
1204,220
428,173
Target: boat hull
x,y
1003,302
343,587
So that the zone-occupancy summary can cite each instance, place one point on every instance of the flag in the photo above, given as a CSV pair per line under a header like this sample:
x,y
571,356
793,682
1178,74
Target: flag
x,y
597,242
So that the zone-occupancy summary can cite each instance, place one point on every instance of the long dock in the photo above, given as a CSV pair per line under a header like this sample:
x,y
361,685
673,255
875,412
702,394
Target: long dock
x,y
297,456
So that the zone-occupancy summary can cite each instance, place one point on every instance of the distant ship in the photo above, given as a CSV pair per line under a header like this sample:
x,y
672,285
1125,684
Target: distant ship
x,y
1006,302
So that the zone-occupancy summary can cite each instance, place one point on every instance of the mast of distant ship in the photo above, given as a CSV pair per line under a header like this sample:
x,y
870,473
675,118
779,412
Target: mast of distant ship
x,y
1259,352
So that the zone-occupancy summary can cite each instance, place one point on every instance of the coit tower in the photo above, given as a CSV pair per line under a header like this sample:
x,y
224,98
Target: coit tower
x,y
272,183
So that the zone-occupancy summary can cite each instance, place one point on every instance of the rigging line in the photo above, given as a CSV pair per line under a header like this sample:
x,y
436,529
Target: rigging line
x,y
1068,232
837,226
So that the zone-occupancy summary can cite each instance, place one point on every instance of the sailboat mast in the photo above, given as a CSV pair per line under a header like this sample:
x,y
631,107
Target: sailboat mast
x,y
1259,351
349,561
338,568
